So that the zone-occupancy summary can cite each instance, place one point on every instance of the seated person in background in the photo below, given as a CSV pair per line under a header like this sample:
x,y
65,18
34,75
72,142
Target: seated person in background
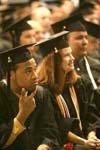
x,y
23,32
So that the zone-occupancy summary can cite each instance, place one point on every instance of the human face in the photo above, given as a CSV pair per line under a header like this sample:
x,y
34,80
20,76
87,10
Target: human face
x,y
67,59
27,37
43,16
93,44
78,41
25,76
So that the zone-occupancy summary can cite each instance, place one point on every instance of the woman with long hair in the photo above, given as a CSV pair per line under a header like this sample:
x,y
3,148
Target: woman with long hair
x,y
70,94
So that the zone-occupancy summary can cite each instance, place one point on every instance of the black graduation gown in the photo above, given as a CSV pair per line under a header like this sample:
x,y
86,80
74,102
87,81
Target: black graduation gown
x,y
64,124
88,112
90,117
94,66
95,54
40,126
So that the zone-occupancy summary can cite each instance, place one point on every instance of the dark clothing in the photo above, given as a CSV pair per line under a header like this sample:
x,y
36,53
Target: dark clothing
x,y
88,112
40,126
96,55
80,67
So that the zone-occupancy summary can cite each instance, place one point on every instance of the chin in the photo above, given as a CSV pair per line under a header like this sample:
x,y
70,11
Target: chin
x,y
32,89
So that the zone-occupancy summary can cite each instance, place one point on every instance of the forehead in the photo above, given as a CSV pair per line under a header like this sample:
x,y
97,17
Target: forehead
x,y
43,12
77,33
25,32
30,63
65,51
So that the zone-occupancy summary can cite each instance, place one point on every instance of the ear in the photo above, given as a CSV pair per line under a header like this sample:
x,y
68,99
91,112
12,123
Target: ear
x,y
12,74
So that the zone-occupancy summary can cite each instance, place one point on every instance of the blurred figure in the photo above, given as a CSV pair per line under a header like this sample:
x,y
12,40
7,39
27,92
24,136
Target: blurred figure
x,y
39,32
26,31
44,17
57,13
21,32
93,39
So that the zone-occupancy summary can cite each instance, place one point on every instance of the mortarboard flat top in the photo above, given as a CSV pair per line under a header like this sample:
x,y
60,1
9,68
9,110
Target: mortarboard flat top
x,y
71,23
16,28
92,28
14,56
18,3
19,25
55,42
85,7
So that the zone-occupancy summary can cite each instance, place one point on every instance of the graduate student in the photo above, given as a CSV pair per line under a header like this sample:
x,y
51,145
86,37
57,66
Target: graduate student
x,y
26,113
71,95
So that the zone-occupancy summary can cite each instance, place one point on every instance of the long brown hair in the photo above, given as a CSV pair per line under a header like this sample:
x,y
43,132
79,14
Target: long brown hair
x,y
50,72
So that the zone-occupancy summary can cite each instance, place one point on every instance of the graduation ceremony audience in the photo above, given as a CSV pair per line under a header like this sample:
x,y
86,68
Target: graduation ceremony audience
x,y
49,83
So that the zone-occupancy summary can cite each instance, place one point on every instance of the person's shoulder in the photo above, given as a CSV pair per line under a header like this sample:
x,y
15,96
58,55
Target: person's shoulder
x,y
42,91
83,81
93,61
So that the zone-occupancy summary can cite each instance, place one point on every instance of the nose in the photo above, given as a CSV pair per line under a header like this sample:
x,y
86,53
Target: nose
x,y
34,75
85,40
72,57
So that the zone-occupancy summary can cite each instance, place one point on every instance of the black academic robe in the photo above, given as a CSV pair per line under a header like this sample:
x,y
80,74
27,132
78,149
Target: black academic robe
x,y
64,124
89,115
95,54
88,112
40,126
80,67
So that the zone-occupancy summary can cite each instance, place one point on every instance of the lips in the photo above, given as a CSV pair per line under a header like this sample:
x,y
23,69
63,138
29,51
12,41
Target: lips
x,y
35,82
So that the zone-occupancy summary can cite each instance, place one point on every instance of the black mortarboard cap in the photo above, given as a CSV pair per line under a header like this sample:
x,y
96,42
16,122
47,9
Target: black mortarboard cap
x,y
14,56
53,44
85,7
18,3
71,23
17,27
92,28
90,3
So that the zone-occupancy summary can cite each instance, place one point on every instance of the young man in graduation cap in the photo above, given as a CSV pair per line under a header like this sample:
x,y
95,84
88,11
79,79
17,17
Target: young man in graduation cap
x,y
78,41
21,32
93,39
26,114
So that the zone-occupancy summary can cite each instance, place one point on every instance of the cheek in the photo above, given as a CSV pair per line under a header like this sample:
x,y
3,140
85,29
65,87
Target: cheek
x,y
65,65
22,40
22,80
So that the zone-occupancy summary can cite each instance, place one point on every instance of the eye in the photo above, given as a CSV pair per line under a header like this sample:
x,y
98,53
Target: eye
x,y
28,70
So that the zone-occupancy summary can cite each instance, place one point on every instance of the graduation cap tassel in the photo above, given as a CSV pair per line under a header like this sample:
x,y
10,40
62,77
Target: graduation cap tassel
x,y
9,68
55,63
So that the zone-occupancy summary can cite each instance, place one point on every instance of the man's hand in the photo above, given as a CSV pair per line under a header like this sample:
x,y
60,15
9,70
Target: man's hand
x,y
26,106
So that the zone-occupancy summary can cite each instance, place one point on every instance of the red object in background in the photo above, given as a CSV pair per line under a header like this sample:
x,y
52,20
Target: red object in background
x,y
68,146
